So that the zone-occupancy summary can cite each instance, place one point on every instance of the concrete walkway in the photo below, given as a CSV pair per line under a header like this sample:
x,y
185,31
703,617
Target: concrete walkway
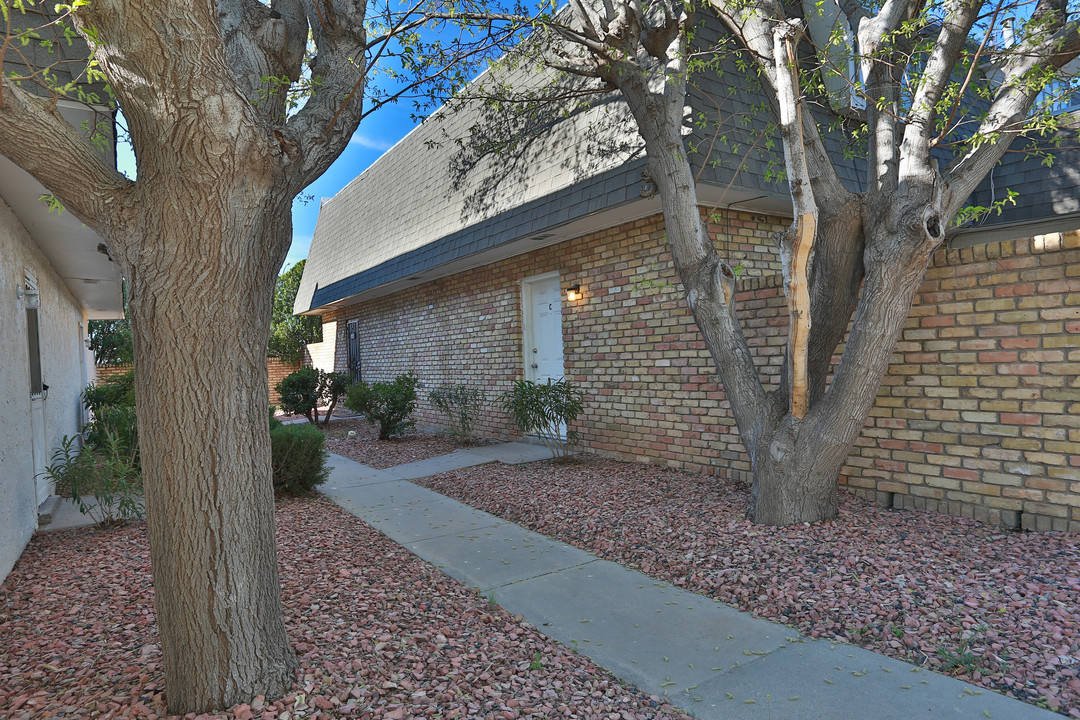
x,y
708,658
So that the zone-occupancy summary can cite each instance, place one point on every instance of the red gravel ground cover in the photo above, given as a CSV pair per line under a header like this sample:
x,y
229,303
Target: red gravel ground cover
x,y
366,448
998,609
379,633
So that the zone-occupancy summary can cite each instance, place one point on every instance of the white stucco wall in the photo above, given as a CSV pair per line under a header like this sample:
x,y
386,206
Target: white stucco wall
x,y
62,327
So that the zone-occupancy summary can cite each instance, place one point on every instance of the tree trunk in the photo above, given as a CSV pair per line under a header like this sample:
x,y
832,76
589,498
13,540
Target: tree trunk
x,y
794,481
797,465
200,309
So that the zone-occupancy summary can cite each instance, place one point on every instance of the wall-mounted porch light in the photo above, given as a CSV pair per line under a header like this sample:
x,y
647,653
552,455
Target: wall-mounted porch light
x,y
573,293
30,294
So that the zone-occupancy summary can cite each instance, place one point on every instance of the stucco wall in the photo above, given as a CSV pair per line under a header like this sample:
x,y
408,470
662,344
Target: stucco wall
x,y
63,369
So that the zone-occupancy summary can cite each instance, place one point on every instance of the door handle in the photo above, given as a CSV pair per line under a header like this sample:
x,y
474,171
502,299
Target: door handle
x,y
534,366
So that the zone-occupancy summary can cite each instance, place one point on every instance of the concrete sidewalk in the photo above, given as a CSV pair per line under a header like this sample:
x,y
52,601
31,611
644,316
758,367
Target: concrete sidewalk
x,y
708,658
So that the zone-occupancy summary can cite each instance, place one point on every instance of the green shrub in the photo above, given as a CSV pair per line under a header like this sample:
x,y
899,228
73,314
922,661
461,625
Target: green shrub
x,y
118,390
388,404
112,403
298,458
117,422
461,404
108,472
303,392
546,409
274,422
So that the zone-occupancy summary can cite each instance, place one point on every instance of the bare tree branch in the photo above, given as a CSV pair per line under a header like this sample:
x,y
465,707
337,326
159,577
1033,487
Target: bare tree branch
x,y
881,62
915,157
264,45
321,130
797,245
753,26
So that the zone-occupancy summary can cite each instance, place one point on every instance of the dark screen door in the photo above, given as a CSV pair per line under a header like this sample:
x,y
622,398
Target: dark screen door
x,y
354,350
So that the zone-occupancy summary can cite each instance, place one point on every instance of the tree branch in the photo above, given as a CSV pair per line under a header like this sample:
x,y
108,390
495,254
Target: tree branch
x,y
753,25
264,43
915,160
1059,45
321,130
881,72
798,244
73,168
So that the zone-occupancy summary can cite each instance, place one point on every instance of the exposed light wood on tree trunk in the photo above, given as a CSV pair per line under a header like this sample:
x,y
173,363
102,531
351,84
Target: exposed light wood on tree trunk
x,y
796,252
799,313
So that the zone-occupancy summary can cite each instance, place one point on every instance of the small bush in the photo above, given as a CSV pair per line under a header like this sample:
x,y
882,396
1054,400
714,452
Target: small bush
x,y
303,392
117,422
298,458
115,391
108,472
274,422
461,404
546,410
388,404
112,403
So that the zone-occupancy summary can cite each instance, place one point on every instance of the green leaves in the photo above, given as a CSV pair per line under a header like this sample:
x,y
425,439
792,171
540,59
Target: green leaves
x,y
977,213
461,405
303,392
290,334
546,410
389,404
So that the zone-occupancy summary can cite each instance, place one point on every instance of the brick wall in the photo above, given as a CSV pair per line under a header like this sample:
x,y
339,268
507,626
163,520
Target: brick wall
x,y
276,371
980,412
106,372
275,368
975,417
321,355
467,329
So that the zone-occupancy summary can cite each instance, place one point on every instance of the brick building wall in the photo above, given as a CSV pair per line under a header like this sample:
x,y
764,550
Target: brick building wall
x,y
467,328
321,355
107,372
979,414
276,370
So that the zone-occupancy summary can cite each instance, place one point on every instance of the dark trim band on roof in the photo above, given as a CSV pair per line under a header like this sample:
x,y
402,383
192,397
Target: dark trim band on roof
x,y
593,194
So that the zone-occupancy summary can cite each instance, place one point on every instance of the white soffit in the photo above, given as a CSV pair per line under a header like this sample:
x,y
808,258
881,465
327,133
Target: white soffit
x,y
70,247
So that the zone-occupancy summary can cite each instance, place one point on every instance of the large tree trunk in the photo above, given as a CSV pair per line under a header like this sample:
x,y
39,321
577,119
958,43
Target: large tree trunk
x,y
793,480
797,462
200,311
200,236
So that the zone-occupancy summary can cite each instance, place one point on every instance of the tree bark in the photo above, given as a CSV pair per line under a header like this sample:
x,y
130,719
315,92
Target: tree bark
x,y
200,237
796,462
200,321
870,250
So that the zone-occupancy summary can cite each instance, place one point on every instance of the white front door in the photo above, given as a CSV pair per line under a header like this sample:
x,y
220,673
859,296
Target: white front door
x,y
542,302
